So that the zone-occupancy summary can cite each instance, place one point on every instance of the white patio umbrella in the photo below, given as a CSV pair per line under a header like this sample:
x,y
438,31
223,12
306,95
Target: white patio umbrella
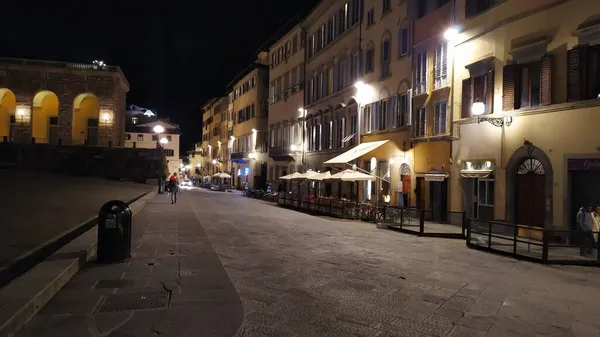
x,y
308,175
320,176
291,176
222,175
351,175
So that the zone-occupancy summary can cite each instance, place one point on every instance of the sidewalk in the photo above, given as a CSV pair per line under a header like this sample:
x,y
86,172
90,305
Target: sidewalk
x,y
174,285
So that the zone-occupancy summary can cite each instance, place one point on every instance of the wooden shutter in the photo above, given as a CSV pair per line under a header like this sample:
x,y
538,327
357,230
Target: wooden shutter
x,y
467,88
508,86
489,92
444,60
576,60
546,80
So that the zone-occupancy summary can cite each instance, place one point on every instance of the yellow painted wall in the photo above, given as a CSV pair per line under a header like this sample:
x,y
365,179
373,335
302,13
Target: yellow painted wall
x,y
558,130
88,108
428,154
44,109
8,106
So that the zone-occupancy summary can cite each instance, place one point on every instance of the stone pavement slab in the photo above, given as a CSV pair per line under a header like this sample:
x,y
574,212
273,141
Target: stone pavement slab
x,y
174,285
36,207
301,275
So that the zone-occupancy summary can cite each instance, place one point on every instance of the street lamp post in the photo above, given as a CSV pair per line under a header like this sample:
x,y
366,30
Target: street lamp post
x,y
158,129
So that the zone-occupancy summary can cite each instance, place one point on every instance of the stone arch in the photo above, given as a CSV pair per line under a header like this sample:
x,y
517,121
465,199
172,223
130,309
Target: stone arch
x,y
384,93
45,117
338,106
351,101
404,85
405,169
521,155
8,105
85,121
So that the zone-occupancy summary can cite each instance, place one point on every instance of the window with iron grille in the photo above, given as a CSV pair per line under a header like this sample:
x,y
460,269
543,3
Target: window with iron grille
x,y
386,52
441,66
370,60
403,41
403,111
440,114
421,73
419,122
387,6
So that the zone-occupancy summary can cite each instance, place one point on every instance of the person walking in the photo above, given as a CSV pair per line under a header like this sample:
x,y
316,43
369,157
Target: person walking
x,y
173,188
585,224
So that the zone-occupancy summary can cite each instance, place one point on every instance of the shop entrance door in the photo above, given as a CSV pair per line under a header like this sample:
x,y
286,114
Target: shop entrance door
x,y
439,200
530,194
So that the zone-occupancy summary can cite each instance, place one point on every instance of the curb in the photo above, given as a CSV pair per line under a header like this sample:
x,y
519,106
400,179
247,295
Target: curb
x,y
24,297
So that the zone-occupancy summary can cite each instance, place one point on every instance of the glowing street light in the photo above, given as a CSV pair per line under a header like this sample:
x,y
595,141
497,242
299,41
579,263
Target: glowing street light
x,y
158,129
478,108
214,161
293,147
164,141
254,131
451,33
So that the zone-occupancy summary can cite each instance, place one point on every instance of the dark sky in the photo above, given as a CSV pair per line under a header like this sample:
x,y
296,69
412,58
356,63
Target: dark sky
x,y
176,54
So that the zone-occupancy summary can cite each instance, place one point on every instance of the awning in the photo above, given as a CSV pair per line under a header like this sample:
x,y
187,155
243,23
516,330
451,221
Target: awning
x,y
306,175
435,176
351,175
481,174
320,176
356,152
294,175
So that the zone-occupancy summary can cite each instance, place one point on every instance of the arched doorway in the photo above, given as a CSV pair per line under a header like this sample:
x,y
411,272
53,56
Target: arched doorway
x,y
529,187
45,117
8,105
405,178
86,111
530,191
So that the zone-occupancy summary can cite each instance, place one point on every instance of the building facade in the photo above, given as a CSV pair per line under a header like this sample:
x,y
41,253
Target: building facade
x,y
140,134
211,128
332,68
527,150
249,153
62,103
386,115
286,105
432,104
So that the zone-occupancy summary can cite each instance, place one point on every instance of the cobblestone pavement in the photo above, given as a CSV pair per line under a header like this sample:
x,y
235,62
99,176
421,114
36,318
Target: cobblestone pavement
x,y
300,275
36,207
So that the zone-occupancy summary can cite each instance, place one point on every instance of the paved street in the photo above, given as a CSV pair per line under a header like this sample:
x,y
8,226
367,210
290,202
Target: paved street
x,y
300,275
36,207
174,285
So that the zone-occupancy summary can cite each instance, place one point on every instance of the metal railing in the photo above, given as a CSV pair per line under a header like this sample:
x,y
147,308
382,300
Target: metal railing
x,y
549,246
331,207
425,222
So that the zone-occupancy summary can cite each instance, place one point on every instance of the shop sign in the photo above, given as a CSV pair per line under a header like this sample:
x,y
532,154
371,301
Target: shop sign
x,y
584,164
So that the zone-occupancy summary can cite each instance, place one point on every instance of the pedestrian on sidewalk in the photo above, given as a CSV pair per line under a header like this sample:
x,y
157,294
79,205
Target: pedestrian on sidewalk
x,y
173,188
585,224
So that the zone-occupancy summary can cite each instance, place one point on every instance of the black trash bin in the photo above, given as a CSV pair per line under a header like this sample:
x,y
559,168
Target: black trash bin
x,y
114,232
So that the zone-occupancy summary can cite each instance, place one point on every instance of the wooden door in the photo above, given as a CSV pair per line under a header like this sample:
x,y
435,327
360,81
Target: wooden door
x,y
530,190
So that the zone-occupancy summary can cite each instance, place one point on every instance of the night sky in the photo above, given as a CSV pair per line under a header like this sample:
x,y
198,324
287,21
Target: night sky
x,y
175,54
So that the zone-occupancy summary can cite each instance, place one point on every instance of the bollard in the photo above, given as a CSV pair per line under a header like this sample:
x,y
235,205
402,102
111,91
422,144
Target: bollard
x,y
114,232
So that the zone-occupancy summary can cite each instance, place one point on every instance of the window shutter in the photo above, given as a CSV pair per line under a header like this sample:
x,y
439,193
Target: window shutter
x,y
393,111
408,111
508,87
576,60
437,114
443,118
444,59
546,80
467,89
375,116
438,61
489,92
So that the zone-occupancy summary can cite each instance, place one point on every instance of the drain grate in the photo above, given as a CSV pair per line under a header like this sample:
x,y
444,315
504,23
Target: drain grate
x,y
141,301
121,283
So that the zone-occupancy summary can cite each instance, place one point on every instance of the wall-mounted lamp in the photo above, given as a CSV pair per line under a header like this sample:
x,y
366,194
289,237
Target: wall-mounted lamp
x,y
254,131
478,109
106,117
252,155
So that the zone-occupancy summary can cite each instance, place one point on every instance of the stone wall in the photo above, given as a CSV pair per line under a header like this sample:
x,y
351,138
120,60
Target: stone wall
x,y
25,78
128,164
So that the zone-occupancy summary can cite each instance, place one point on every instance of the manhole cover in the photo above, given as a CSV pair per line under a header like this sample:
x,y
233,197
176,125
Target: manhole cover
x,y
141,301
121,283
